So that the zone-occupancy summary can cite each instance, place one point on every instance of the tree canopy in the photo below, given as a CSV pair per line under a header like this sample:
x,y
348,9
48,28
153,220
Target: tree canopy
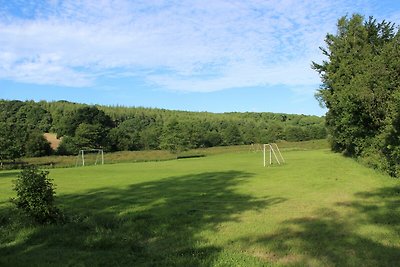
x,y
19,124
360,88
116,128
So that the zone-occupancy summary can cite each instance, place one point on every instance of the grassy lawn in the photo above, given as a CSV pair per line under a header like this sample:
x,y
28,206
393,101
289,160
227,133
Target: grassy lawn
x,y
320,209
160,155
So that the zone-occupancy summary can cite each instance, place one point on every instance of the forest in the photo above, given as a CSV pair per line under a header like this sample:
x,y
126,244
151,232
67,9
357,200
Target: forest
x,y
118,128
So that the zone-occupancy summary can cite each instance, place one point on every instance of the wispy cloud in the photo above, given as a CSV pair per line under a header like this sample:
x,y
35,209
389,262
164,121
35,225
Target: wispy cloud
x,y
175,45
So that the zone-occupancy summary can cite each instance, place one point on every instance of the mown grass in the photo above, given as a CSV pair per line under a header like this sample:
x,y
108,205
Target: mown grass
x,y
319,209
161,155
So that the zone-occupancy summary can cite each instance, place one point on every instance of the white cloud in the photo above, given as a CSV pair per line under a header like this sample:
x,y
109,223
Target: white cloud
x,y
176,45
240,75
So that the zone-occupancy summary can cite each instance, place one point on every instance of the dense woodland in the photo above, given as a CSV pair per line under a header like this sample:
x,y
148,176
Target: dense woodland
x,y
115,128
361,89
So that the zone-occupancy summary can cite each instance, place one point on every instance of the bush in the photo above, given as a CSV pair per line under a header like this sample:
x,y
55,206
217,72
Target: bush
x,y
37,145
36,195
68,146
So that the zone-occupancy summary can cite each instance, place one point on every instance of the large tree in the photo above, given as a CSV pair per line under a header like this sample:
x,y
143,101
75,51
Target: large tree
x,y
88,115
173,137
84,128
12,139
359,85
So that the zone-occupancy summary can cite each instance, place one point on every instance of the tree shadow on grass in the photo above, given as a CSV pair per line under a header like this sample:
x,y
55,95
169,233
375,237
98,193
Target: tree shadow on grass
x,y
9,174
329,239
156,223
381,207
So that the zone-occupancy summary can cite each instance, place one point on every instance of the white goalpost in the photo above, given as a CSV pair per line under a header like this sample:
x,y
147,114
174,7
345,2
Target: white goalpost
x,y
273,151
95,155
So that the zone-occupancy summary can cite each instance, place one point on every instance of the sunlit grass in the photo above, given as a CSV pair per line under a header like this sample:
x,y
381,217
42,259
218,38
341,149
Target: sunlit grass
x,y
319,209
161,155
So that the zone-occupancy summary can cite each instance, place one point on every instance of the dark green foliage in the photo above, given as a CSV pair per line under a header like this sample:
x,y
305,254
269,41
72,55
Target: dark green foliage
x,y
231,135
36,195
37,145
87,128
295,133
123,128
90,135
12,140
360,88
150,137
209,129
272,132
126,136
175,136
20,127
212,138
34,116
29,114
88,115
8,109
68,146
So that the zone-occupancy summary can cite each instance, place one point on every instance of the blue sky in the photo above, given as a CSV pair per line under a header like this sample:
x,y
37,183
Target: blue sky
x,y
217,56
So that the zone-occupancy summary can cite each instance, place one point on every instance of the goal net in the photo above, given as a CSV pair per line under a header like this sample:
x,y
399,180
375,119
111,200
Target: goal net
x,y
88,157
255,147
274,154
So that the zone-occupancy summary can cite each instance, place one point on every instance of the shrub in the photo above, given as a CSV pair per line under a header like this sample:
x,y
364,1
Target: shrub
x,y
68,146
37,145
36,195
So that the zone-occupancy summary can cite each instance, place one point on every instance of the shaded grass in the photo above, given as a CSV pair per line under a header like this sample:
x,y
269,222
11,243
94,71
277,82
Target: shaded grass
x,y
319,209
370,237
151,223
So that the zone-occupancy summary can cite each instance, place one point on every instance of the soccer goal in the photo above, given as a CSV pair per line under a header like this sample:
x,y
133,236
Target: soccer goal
x,y
89,157
255,147
273,152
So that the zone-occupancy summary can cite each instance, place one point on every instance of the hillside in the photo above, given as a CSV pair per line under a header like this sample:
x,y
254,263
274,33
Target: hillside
x,y
116,128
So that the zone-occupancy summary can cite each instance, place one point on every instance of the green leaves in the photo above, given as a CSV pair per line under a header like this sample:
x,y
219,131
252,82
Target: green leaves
x,y
84,128
36,195
359,82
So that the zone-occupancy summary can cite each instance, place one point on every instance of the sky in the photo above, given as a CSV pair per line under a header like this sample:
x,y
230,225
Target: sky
x,y
195,55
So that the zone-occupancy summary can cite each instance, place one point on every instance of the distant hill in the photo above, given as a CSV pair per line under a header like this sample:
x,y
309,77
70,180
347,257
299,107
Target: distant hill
x,y
116,128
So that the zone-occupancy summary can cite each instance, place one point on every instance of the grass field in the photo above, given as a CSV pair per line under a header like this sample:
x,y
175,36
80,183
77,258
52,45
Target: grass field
x,y
160,155
319,209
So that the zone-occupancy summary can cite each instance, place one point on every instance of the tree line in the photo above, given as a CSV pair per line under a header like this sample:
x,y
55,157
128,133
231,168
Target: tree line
x,y
117,128
361,89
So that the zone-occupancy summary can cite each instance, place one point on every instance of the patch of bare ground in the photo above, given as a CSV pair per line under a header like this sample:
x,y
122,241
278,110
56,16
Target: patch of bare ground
x,y
52,139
